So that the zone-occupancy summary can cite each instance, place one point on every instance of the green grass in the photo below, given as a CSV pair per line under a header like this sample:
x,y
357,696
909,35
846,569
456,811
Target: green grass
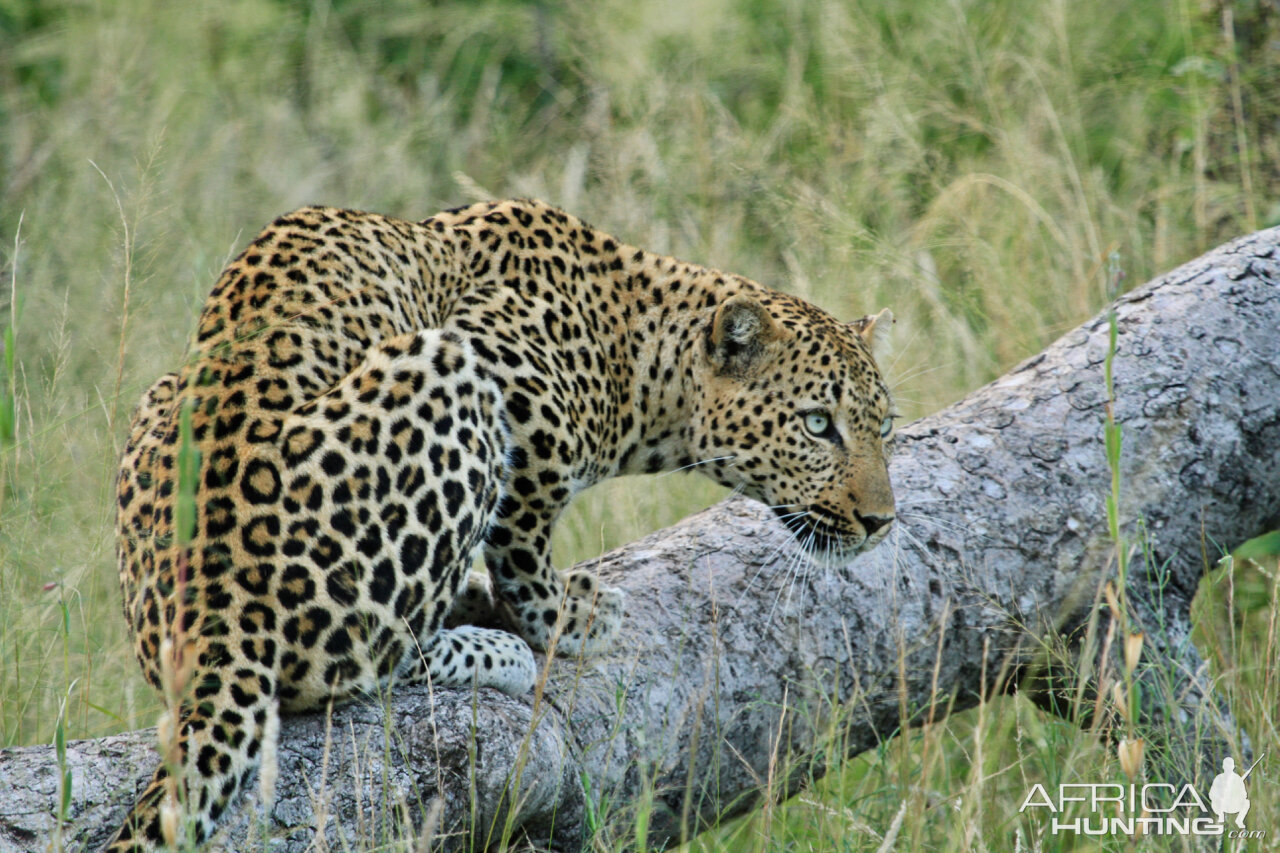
x,y
976,166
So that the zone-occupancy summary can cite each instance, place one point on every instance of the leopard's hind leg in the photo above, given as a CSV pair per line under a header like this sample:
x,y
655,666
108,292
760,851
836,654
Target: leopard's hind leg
x,y
212,740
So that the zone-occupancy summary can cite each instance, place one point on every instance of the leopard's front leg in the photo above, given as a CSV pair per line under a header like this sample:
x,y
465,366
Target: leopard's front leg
x,y
571,610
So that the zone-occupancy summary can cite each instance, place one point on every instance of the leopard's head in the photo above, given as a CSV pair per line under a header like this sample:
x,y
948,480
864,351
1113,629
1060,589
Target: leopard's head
x,y
793,411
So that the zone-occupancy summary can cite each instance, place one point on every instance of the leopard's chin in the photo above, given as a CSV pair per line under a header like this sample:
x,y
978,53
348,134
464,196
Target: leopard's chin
x,y
838,557
823,543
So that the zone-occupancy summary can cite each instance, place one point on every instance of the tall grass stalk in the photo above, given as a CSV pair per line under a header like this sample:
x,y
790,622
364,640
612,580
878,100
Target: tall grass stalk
x,y
124,306
9,393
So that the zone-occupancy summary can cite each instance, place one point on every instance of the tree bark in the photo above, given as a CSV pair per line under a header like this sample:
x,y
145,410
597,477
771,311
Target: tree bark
x,y
736,655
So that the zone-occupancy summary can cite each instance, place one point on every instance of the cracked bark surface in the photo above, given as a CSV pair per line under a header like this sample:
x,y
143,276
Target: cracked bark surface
x,y
729,655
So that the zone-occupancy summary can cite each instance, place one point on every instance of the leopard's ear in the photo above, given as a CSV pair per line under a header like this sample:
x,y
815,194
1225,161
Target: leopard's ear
x,y
739,333
875,329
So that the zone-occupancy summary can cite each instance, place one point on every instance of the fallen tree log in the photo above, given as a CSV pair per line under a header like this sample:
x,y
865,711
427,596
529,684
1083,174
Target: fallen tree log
x,y
734,651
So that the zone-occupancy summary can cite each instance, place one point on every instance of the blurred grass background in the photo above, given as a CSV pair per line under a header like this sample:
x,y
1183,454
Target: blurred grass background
x,y
993,170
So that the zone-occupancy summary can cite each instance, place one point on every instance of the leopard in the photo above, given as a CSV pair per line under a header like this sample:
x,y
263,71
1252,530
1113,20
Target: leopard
x,y
370,406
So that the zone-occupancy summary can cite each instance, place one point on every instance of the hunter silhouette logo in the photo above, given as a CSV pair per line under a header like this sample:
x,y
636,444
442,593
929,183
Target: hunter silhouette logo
x,y
1227,795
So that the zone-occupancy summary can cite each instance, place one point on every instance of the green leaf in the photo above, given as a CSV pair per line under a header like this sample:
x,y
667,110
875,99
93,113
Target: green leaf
x,y
593,821
1266,545
64,806
184,519
7,417
106,712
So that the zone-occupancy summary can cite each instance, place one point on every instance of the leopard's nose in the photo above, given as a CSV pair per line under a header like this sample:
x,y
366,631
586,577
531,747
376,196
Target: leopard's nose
x,y
872,523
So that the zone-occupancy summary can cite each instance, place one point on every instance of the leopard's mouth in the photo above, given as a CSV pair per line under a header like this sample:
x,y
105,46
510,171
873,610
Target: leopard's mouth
x,y
822,539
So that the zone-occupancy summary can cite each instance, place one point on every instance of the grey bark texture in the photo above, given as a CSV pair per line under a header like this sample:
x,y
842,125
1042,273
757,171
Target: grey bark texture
x,y
735,653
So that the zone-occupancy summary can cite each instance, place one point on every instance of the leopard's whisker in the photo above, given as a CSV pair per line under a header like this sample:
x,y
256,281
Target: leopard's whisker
x,y
792,572
901,530
790,515
948,526
731,456
788,536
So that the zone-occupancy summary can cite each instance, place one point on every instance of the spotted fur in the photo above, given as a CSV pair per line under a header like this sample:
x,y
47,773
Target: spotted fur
x,y
375,401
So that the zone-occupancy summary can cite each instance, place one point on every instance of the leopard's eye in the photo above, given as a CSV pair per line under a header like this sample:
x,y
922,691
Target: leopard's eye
x,y
886,426
817,423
